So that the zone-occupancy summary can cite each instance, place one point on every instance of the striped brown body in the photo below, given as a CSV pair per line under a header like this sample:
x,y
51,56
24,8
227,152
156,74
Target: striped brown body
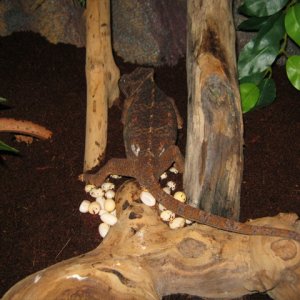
x,y
151,121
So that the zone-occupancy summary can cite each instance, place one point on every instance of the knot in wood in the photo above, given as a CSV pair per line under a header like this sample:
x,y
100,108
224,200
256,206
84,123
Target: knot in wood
x,y
191,248
285,249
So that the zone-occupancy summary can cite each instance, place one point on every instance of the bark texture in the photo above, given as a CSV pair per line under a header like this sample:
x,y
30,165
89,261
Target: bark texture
x,y
214,161
141,258
102,77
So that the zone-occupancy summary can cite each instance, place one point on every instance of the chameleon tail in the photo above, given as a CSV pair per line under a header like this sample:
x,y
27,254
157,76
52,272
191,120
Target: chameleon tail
x,y
200,216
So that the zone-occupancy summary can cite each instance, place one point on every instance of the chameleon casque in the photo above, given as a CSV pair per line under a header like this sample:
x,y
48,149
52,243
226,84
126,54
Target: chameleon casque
x,y
151,122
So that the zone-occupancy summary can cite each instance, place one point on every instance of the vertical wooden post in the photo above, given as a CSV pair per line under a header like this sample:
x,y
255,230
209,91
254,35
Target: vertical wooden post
x,y
214,160
102,77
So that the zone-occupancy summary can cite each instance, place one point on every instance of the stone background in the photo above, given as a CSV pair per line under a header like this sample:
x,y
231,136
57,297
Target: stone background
x,y
146,32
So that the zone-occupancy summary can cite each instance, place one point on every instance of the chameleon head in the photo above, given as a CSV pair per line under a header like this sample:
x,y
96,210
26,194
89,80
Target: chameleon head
x,y
130,83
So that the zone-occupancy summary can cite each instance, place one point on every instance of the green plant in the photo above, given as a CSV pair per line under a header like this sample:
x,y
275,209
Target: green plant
x,y
82,3
275,21
3,146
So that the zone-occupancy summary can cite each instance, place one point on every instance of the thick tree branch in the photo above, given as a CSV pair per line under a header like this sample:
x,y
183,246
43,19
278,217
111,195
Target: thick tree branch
x,y
102,77
214,159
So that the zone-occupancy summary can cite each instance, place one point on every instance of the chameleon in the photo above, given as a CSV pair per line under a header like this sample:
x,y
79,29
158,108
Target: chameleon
x,y
151,122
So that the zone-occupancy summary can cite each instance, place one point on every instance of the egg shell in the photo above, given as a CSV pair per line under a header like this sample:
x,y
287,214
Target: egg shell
x,y
94,208
101,201
161,207
107,186
102,211
147,198
103,229
109,219
89,187
167,215
109,205
96,192
84,206
173,170
163,175
110,194
188,222
180,196
167,190
115,176
177,223
171,185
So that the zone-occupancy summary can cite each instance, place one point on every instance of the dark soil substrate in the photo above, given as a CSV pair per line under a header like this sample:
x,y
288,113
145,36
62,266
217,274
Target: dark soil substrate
x,y
40,195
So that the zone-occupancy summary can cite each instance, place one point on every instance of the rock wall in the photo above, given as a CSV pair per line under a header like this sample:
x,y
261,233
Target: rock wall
x,y
146,32
60,21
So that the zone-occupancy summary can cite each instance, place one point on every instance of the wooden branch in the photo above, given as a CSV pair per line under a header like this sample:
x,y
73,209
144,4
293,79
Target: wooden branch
x,y
24,127
141,258
214,161
102,77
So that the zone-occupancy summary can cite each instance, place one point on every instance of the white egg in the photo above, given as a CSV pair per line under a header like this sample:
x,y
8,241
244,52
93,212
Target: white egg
x,y
96,192
171,185
84,206
109,205
107,186
109,219
147,198
167,190
161,207
173,170
110,194
180,196
114,213
167,215
89,187
178,222
115,176
94,208
188,222
102,211
103,229
163,175
101,201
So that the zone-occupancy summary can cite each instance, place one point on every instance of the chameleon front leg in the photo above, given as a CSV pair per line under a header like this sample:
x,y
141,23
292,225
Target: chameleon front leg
x,y
172,154
117,166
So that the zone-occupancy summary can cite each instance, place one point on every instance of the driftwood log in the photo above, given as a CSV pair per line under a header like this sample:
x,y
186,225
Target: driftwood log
x,y
102,76
214,159
141,258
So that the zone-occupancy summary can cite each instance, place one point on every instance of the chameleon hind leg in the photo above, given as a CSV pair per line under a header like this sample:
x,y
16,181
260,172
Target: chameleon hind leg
x,y
171,155
117,166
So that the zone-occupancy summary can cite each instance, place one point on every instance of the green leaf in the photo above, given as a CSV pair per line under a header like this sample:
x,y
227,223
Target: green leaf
x,y
261,8
267,92
254,78
293,70
292,23
261,51
249,96
2,99
253,24
4,147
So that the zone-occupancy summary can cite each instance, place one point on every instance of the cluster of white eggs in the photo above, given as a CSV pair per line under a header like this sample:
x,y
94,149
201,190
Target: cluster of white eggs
x,y
104,205
165,214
